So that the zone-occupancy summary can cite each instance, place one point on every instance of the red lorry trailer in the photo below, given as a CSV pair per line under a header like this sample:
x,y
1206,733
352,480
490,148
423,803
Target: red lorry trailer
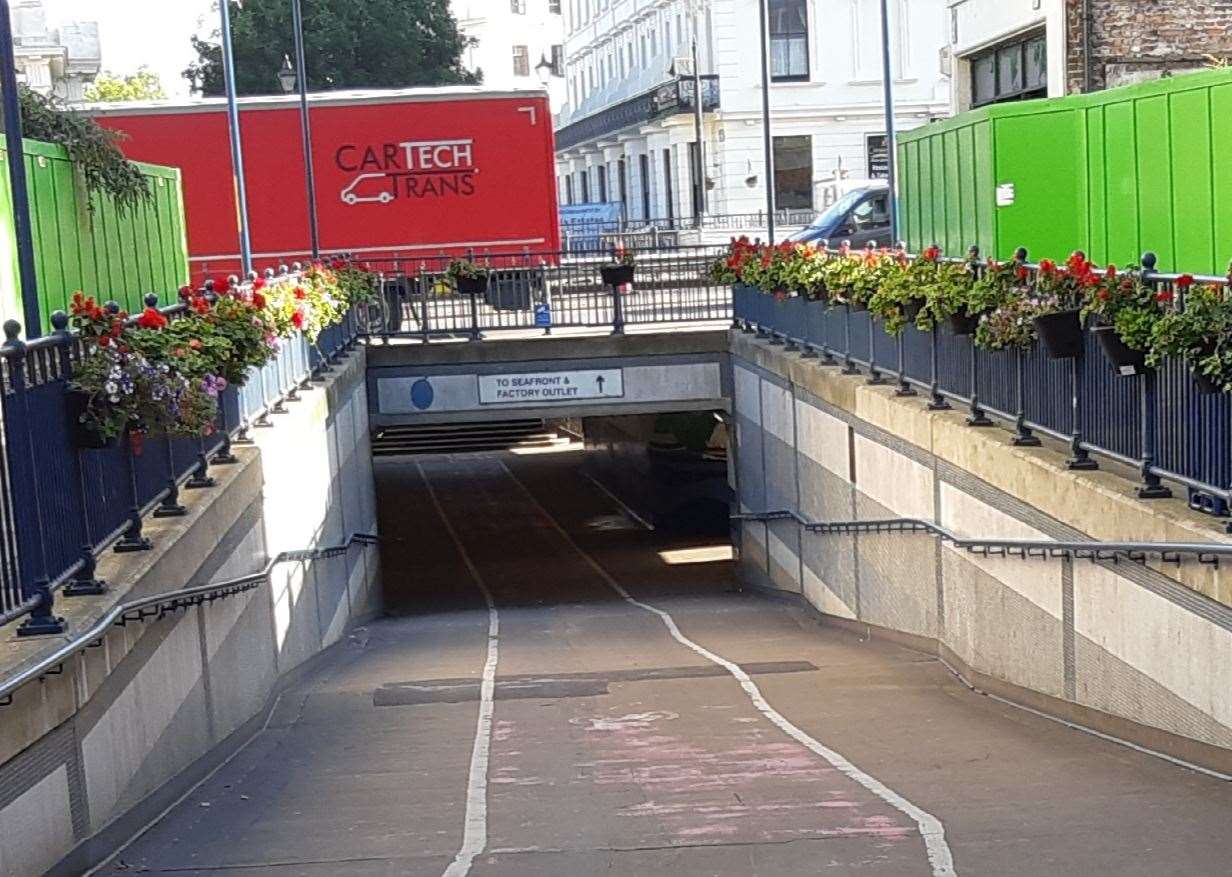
x,y
399,174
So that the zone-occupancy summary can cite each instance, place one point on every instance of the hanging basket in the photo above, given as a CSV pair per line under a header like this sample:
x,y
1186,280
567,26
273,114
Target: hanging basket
x,y
84,436
473,285
1124,359
964,323
1205,384
616,275
1061,334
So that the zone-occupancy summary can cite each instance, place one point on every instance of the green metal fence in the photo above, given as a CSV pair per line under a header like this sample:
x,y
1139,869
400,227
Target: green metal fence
x,y
108,253
1113,173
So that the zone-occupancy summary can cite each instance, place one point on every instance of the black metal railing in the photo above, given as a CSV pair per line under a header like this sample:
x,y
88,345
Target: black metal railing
x,y
61,506
592,234
545,291
1158,422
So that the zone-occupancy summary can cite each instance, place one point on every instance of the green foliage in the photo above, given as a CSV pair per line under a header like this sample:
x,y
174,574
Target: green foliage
x,y
113,87
349,44
1129,305
92,148
1201,334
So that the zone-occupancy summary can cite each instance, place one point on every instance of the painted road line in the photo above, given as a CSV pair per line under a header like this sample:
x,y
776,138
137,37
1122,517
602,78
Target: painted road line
x,y
931,829
475,835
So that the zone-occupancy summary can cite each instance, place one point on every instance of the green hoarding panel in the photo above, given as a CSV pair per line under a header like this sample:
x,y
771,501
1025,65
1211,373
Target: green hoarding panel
x,y
1146,167
111,254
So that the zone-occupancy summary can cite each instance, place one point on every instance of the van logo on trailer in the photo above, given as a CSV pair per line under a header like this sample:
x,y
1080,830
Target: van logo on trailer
x,y
410,169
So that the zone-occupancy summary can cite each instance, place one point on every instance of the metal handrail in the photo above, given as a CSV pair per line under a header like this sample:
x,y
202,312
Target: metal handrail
x,y
157,605
1093,550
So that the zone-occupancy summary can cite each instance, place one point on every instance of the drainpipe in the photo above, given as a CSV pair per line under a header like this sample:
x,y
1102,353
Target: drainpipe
x,y
1088,75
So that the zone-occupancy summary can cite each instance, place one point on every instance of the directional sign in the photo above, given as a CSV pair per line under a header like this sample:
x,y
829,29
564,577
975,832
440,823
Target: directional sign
x,y
548,387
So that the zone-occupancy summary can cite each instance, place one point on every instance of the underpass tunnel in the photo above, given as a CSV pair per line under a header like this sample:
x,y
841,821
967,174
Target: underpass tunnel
x,y
651,490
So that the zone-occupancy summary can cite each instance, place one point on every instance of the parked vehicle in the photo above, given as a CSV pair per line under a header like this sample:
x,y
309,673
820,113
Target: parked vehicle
x,y
398,173
861,216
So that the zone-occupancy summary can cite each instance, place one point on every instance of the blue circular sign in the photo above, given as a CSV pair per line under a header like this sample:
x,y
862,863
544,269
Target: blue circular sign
x,y
422,394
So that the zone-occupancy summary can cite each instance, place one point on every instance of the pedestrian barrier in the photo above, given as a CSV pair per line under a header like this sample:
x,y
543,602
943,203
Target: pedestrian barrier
x,y
61,506
1158,421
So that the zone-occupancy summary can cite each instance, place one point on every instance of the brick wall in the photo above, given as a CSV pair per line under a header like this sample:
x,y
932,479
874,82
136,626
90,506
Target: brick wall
x,y
1138,39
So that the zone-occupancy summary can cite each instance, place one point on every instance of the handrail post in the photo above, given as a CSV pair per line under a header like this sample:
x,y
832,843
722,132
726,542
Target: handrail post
x,y
170,506
904,388
1023,437
849,366
1152,487
1081,460
976,417
85,582
936,401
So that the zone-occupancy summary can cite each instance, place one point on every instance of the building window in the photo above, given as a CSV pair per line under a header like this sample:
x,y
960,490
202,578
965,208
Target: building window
x,y
558,60
602,173
622,177
789,49
554,7
1017,70
518,6
793,173
585,188
521,61
568,188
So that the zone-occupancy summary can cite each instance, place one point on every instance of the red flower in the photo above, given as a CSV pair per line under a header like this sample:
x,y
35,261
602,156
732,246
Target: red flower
x,y
1047,266
258,301
297,319
1184,281
151,319
1110,272
1164,296
933,253
186,291
195,344
299,293
104,341
200,305
1022,272
259,283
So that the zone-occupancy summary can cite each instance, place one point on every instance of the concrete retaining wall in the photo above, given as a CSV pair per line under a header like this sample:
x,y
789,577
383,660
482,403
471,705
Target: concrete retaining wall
x,y
1144,652
88,756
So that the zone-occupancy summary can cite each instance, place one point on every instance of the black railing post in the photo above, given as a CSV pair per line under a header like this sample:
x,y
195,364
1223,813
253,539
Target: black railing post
x,y
133,539
26,497
85,582
904,388
936,401
170,506
849,366
1023,437
618,310
976,417
1081,458
1152,487
224,455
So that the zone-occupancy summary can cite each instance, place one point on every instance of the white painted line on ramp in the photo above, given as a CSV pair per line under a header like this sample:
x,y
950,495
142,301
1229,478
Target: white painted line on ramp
x,y
475,835
931,829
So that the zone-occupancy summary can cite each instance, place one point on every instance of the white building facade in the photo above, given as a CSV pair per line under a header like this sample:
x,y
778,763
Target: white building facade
x,y
1006,50
54,61
627,131
512,38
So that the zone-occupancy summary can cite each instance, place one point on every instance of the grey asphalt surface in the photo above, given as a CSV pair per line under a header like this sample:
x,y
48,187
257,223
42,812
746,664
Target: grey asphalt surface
x,y
615,749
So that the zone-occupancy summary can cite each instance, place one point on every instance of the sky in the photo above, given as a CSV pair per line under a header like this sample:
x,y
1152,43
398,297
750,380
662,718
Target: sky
x,y
135,32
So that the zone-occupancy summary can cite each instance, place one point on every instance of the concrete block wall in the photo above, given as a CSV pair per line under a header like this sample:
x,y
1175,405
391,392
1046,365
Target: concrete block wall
x,y
1139,651
88,756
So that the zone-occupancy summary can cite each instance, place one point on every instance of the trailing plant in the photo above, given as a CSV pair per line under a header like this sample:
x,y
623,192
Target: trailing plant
x,y
1002,294
93,149
898,300
459,268
1064,288
1128,304
355,282
1198,331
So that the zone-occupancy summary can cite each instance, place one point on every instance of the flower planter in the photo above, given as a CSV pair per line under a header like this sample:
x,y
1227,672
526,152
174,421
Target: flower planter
x,y
616,275
83,435
1124,359
1061,334
473,285
1205,384
912,308
964,323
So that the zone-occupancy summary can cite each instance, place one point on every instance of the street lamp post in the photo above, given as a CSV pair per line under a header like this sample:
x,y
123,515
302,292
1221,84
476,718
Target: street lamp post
x,y
301,65
887,75
765,116
22,226
233,122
